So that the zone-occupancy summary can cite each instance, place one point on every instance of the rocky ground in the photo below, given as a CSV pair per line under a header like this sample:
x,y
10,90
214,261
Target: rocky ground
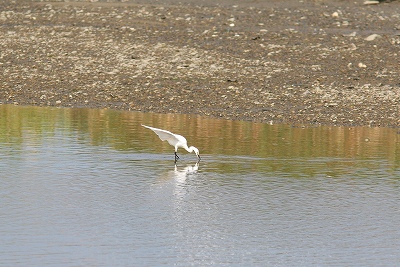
x,y
292,61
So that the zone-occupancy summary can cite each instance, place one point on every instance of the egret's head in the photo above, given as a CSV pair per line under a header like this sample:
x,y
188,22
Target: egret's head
x,y
197,152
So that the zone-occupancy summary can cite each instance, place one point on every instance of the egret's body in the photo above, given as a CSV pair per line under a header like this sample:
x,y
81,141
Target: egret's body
x,y
174,140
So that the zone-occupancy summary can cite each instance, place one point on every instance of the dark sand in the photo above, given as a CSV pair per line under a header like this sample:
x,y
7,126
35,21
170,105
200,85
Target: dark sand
x,y
292,61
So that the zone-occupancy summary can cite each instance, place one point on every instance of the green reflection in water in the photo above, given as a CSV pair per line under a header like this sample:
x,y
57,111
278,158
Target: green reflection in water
x,y
122,130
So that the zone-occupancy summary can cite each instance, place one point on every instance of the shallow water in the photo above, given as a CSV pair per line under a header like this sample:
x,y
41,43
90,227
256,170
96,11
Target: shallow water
x,y
85,187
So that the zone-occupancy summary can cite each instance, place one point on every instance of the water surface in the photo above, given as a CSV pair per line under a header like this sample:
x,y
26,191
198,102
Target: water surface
x,y
87,187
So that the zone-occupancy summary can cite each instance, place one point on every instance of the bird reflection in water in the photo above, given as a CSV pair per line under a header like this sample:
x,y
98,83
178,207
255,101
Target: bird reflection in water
x,y
180,177
178,174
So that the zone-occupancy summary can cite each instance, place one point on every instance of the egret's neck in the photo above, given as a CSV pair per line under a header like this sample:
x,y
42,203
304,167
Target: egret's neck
x,y
189,149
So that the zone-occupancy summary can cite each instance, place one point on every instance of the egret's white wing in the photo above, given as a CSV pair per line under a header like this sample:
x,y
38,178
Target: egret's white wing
x,y
163,134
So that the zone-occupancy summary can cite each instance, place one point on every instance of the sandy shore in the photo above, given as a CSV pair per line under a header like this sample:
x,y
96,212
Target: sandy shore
x,y
300,62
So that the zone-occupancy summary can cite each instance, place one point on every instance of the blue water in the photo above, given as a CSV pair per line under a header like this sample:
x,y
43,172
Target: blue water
x,y
77,194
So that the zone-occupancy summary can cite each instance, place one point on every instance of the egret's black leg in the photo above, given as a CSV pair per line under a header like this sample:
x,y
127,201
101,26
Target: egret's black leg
x,y
176,156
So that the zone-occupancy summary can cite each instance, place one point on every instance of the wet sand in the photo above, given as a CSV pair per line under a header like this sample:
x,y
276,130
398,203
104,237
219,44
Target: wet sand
x,y
297,62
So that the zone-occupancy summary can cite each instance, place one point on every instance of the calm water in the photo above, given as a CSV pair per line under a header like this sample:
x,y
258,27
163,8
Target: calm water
x,y
82,187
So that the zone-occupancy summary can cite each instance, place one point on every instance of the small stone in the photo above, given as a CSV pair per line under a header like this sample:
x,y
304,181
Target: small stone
x,y
371,2
353,47
335,15
372,37
362,65
332,104
306,93
353,34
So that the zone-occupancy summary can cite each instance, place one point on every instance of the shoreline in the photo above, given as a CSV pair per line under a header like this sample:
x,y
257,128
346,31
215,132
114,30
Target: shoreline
x,y
310,62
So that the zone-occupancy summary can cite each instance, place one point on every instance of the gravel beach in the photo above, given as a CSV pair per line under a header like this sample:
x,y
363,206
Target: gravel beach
x,y
331,62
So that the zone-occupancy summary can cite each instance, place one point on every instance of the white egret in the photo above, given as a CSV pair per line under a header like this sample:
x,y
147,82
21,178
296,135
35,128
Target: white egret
x,y
174,140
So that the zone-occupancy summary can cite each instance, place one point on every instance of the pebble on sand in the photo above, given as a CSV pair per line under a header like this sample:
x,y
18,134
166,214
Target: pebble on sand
x,y
372,37
362,65
371,2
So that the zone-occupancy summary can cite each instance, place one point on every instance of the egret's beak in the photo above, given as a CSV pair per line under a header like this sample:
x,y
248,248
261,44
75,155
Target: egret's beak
x,y
198,155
